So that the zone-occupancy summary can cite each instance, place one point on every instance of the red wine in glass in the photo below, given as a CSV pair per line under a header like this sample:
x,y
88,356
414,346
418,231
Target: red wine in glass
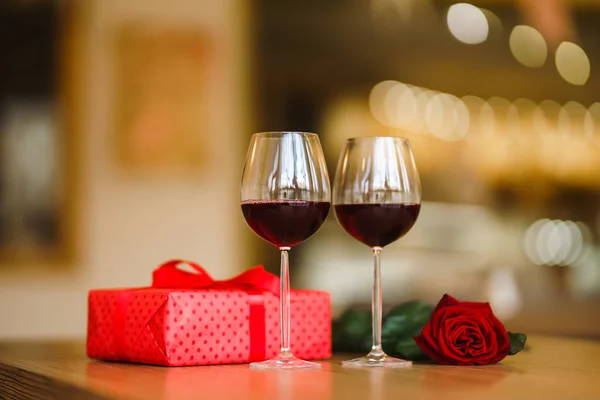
x,y
285,223
377,199
377,224
285,197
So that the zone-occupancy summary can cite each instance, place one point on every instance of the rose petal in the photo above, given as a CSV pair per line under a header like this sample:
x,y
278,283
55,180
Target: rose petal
x,y
503,343
456,310
446,301
473,352
452,354
465,325
478,346
459,336
437,317
469,319
433,355
500,336
462,319
427,333
428,339
481,334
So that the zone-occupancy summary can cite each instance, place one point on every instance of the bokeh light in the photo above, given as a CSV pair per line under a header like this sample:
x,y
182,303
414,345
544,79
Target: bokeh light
x,y
423,98
400,105
544,117
592,123
377,100
528,46
447,117
572,63
571,118
525,109
502,114
467,23
495,25
487,120
481,117
513,121
435,114
555,242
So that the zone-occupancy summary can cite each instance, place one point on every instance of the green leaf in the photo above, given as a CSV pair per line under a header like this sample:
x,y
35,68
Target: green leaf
x,y
357,324
350,331
517,342
408,349
415,309
400,325
405,321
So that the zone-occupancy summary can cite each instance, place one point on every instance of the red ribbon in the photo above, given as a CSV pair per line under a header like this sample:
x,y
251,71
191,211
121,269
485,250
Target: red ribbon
x,y
169,276
255,282
119,318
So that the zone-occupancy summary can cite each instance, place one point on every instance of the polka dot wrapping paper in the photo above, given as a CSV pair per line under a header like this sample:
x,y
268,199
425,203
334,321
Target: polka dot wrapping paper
x,y
182,327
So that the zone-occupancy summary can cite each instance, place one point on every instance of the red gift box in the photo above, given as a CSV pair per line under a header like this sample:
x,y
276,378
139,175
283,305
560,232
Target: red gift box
x,y
190,319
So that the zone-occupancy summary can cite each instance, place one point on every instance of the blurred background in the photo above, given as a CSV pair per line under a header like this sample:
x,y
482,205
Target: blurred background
x,y
124,126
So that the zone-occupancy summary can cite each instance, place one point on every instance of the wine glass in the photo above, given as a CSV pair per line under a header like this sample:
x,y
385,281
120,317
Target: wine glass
x,y
377,197
285,198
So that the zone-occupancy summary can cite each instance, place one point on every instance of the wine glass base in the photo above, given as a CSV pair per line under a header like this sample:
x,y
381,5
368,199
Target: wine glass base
x,y
380,361
285,362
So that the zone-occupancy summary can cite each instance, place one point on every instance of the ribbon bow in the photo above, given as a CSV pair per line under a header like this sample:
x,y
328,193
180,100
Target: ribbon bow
x,y
255,279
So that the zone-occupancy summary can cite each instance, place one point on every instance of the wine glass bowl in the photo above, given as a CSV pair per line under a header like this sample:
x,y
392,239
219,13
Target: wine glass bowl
x,y
285,223
285,198
377,224
377,199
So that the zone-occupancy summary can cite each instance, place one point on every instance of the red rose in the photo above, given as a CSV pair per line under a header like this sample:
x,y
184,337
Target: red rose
x,y
463,333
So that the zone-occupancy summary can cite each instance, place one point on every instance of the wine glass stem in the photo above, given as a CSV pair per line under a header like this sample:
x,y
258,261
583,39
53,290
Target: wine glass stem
x,y
284,306
376,301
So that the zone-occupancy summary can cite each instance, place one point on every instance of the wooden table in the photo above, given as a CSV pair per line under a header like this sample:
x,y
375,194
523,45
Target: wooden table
x,y
552,369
